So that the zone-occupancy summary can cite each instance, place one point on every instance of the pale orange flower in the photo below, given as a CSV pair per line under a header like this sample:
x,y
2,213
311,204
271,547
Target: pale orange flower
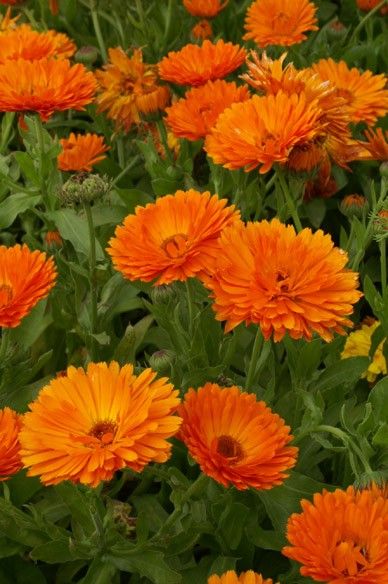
x,y
204,8
129,88
25,278
193,116
280,22
10,424
195,65
86,425
376,145
80,152
44,86
236,439
174,238
369,4
231,577
202,30
341,537
285,282
25,43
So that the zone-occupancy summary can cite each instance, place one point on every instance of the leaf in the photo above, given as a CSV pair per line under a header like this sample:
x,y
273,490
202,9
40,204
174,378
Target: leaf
x,y
74,228
15,204
222,565
9,548
381,436
378,397
26,163
232,523
78,505
57,551
147,563
345,371
265,538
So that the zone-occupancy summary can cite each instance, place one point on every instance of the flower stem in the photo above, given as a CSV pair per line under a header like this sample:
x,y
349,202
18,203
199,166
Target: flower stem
x,y
257,346
383,265
364,20
97,30
4,344
289,199
189,294
93,281
125,170
8,119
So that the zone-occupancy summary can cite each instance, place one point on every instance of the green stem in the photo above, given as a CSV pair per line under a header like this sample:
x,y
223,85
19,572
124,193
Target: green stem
x,y
257,346
289,199
365,19
40,140
4,343
97,30
120,151
6,127
125,170
383,265
190,305
93,280
270,183
169,20
141,15
164,139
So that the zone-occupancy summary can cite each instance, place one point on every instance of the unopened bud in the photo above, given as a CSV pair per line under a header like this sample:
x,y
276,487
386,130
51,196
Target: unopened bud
x,y
354,206
53,240
384,169
120,513
202,30
163,294
336,30
86,55
380,224
84,188
161,361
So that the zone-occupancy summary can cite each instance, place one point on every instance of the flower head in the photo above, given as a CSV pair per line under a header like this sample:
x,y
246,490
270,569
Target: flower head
x,y
358,344
44,86
280,22
235,439
195,65
25,278
25,43
231,577
10,424
285,282
376,145
86,425
174,238
204,8
370,4
129,88
341,537
202,30
193,116
80,152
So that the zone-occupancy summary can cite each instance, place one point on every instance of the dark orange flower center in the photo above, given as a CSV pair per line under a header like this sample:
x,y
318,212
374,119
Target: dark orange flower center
x,y
175,246
346,94
229,448
349,558
6,294
282,279
280,23
104,431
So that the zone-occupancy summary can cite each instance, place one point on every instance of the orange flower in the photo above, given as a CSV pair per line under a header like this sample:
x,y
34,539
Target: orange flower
x,y
44,86
174,238
231,577
262,131
80,152
202,30
235,439
25,278
10,424
365,94
285,282
25,43
341,538
194,65
53,239
193,116
86,425
204,8
280,22
376,145
129,87
370,4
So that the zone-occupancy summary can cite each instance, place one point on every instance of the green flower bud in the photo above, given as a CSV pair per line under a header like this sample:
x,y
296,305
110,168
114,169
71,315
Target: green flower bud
x,y
336,30
161,361
84,188
121,516
163,294
384,169
354,206
86,55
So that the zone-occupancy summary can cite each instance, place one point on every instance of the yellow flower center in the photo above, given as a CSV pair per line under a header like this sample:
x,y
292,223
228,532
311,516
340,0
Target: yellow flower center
x,y
349,558
175,246
104,431
229,448
6,294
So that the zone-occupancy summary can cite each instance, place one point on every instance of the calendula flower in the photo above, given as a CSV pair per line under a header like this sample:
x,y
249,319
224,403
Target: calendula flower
x,y
285,282
25,43
204,8
80,152
195,65
358,344
53,239
193,116
7,22
354,205
236,439
10,424
174,238
202,30
86,425
365,94
376,146
25,278
341,537
231,577
44,86
129,88
280,22
370,4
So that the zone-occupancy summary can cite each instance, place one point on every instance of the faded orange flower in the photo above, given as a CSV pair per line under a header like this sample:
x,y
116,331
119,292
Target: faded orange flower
x,y
129,88
370,4
44,86
231,577
25,43
341,537
202,30
376,145
236,439
25,278
86,425
80,152
195,65
280,22
174,238
204,8
10,424
285,282
193,116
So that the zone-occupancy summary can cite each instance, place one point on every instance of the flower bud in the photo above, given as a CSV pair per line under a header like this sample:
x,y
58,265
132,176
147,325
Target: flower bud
x,y
202,30
380,224
354,206
163,294
53,240
120,513
384,169
86,55
161,361
336,30
84,188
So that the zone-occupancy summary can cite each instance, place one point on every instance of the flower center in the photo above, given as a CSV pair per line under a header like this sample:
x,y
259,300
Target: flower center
x,y
229,448
280,23
104,431
6,294
282,280
346,94
175,246
349,558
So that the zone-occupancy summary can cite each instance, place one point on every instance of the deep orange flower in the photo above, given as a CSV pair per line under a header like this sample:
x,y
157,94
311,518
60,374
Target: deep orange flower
x,y
280,22
204,8
44,86
341,538
365,93
195,65
285,282
369,4
202,30
86,425
174,238
231,577
129,87
10,424
80,152
193,116
25,43
25,278
235,439
377,144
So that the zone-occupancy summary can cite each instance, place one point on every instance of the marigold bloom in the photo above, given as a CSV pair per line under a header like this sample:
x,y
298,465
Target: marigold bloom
x,y
25,43
129,87
376,145
44,86
195,65
235,439
370,4
80,152
358,344
285,282
231,577
193,116
280,22
365,93
202,30
10,424
25,278
174,238
341,538
204,8
86,425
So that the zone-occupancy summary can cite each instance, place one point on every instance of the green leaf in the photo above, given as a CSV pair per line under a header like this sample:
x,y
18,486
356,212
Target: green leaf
x,y
57,551
147,563
381,436
232,523
78,505
15,204
378,397
222,564
74,228
9,548
346,371
26,163
265,538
